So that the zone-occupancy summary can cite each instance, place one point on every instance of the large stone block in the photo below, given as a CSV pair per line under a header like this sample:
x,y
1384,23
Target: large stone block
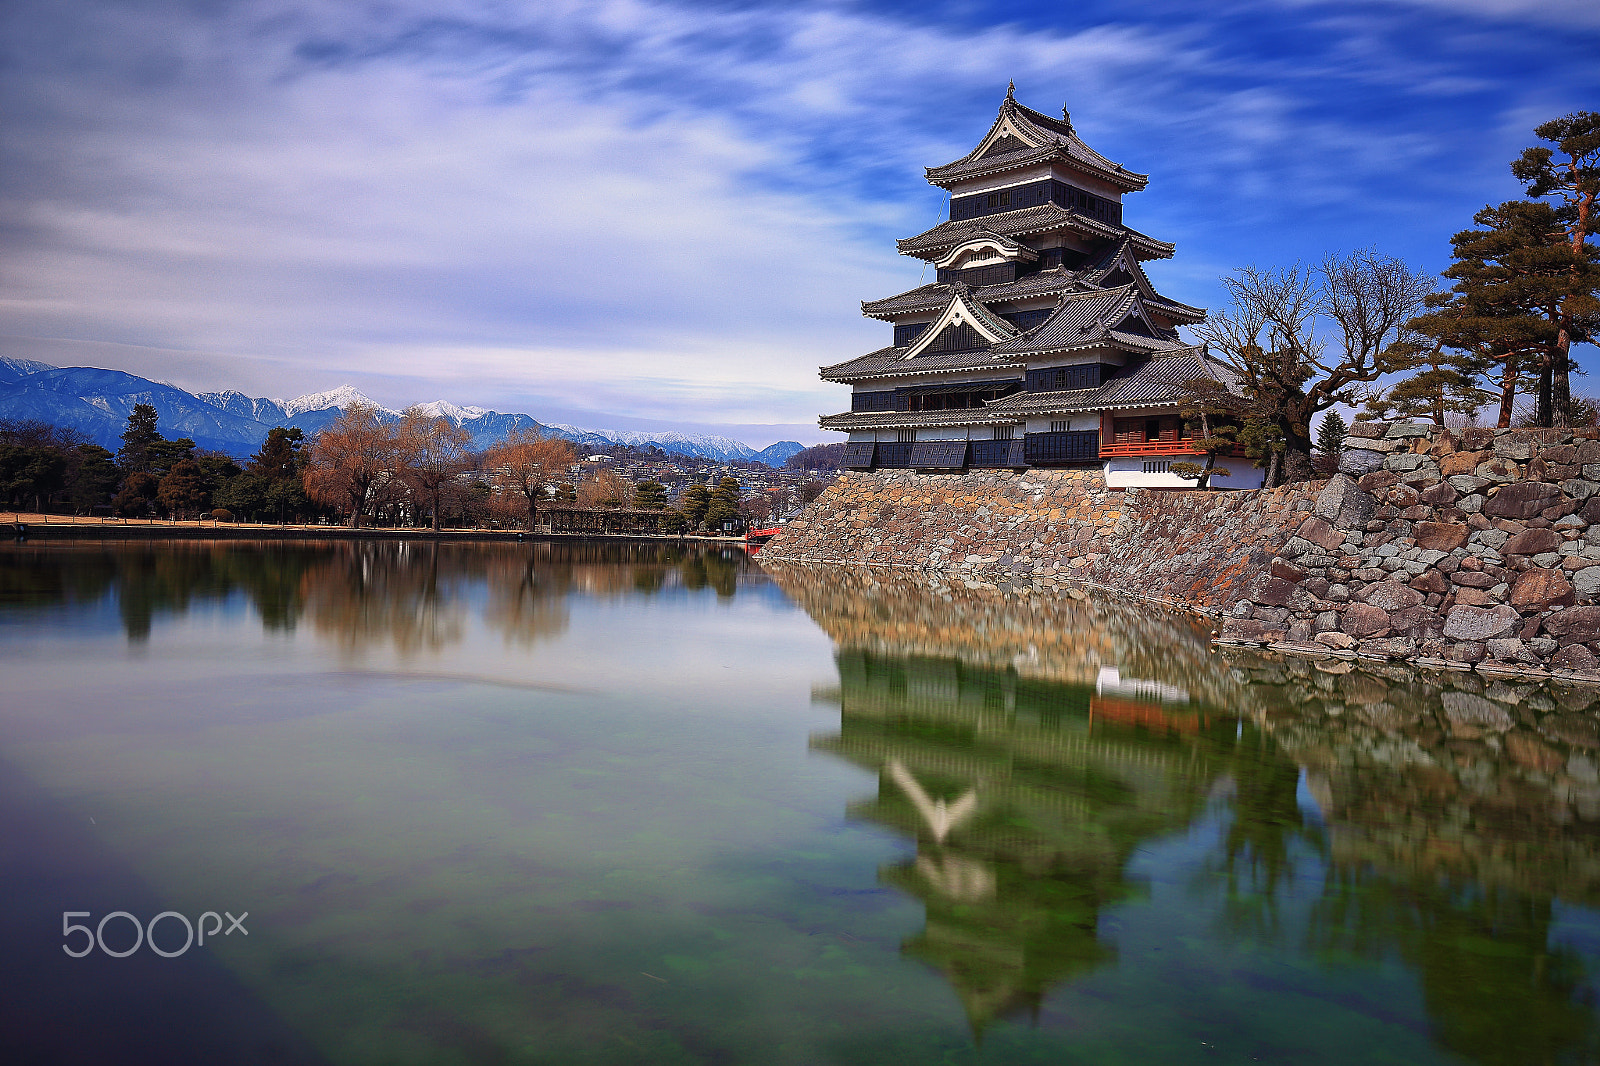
x,y
1391,596
1580,624
1461,462
1440,495
1440,536
1407,431
1272,591
1499,470
1344,504
1586,582
1359,461
1532,542
1513,446
1538,589
1321,534
1469,483
1364,620
1523,499
1479,623
1430,581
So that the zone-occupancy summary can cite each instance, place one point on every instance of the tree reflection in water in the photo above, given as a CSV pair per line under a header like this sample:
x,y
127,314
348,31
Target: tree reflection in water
x,y
1357,813
411,596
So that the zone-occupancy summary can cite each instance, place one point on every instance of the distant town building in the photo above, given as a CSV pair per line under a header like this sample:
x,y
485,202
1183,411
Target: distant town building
x,y
1041,341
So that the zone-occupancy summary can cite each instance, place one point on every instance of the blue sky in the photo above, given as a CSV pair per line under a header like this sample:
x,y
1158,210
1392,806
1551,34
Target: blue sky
x,y
637,214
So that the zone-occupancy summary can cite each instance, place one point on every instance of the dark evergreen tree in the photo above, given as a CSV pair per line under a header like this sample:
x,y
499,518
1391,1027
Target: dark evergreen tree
x,y
182,492
694,503
1570,173
137,440
1509,276
724,504
650,495
1331,432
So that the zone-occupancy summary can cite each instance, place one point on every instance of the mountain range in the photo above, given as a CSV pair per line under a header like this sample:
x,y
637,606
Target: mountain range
x,y
97,403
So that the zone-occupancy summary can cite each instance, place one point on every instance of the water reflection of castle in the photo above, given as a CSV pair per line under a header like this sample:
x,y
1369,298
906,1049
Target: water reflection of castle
x,y
1025,812
1030,747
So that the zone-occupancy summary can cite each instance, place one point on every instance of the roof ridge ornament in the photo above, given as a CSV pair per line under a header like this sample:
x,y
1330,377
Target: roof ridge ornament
x,y
1011,91
1066,117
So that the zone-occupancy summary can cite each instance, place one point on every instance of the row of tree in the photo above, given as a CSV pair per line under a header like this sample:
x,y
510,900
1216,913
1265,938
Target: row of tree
x,y
362,468
1525,289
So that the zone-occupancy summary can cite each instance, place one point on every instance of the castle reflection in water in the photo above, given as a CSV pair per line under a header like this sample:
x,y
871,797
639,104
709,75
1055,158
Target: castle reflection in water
x,y
1030,746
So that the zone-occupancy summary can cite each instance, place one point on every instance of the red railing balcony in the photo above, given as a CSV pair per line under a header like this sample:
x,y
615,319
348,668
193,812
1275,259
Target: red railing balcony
x,y
1150,447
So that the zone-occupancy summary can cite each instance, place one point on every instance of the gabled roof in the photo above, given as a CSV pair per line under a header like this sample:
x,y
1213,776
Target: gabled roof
x,y
963,308
984,235
1120,258
1159,382
1095,318
1023,137
1026,220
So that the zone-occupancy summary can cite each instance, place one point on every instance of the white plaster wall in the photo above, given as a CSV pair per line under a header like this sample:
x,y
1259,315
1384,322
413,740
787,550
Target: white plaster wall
x,y
1128,473
1075,423
862,435
943,433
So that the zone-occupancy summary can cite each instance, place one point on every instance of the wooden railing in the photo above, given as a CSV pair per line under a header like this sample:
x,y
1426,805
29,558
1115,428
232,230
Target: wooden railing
x,y
1151,447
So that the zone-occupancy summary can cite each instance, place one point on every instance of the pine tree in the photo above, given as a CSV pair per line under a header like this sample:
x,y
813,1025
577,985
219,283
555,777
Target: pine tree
x,y
650,496
1570,173
724,506
1444,383
1331,432
694,503
1507,276
137,440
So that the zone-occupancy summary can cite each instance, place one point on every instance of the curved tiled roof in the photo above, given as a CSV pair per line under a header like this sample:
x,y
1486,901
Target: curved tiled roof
x,y
1158,382
973,416
892,362
1052,139
1039,219
1050,282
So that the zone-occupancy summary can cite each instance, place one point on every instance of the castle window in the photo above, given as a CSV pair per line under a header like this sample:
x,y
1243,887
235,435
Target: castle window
x,y
1058,427
1005,432
905,436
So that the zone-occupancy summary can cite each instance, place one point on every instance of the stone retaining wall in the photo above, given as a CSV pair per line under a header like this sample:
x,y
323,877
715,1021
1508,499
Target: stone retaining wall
x,y
1050,527
1481,548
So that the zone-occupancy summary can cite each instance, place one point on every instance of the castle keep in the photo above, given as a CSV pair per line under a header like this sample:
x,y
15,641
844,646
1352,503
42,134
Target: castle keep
x,y
1041,341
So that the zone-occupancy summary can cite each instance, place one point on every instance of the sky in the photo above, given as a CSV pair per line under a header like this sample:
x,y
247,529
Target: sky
x,y
642,215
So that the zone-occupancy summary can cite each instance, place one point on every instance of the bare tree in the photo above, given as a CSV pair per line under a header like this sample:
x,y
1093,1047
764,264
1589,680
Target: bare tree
x,y
351,460
526,462
1303,339
606,488
432,451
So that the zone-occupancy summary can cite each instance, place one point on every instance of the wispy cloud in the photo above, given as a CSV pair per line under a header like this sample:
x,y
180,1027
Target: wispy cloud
x,y
661,211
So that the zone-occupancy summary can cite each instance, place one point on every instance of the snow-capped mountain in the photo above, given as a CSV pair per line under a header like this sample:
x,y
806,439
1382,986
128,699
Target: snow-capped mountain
x,y
340,398
15,369
97,403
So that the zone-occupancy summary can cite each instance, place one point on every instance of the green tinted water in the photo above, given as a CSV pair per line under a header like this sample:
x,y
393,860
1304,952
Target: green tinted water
x,y
507,803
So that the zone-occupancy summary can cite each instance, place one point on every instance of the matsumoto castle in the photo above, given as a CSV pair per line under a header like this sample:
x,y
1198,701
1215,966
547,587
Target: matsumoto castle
x,y
1041,341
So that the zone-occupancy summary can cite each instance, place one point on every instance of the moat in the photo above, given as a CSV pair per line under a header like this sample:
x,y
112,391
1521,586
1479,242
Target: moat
x,y
503,803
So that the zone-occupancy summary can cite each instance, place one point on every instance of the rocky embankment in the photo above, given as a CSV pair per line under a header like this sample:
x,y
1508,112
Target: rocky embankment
x,y
1482,549
1049,529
